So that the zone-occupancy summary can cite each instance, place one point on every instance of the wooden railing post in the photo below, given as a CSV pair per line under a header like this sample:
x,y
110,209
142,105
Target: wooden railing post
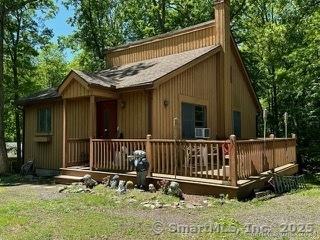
x,y
149,154
233,161
273,153
294,136
91,154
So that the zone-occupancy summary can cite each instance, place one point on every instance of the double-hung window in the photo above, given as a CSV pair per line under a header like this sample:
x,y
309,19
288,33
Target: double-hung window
x,y
193,116
44,121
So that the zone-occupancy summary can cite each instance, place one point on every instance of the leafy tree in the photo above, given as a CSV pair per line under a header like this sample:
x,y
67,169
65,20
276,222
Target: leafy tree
x,y
147,18
51,66
20,37
280,43
98,27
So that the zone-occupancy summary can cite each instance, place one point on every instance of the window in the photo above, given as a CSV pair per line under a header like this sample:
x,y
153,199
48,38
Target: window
x,y
193,116
237,123
200,116
44,121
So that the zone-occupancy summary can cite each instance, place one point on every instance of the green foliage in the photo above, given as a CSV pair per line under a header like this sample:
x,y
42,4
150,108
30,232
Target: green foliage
x,y
146,18
98,27
52,66
24,34
280,43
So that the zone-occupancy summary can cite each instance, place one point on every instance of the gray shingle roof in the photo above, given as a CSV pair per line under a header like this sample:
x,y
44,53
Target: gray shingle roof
x,y
143,72
48,94
96,79
130,75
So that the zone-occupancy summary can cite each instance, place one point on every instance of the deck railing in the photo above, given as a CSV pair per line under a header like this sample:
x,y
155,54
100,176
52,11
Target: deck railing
x,y
229,160
257,156
204,159
77,151
113,154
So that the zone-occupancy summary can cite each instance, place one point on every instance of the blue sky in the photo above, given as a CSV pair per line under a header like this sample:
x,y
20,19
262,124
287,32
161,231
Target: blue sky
x,y
59,24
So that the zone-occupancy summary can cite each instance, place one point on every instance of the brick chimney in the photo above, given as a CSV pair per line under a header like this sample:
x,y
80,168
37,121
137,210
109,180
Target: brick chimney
x,y
223,37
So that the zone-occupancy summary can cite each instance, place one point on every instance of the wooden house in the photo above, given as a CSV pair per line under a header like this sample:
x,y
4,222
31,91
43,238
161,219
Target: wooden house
x,y
182,85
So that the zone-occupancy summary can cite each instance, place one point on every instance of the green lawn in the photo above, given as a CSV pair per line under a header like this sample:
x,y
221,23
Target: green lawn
x,y
39,211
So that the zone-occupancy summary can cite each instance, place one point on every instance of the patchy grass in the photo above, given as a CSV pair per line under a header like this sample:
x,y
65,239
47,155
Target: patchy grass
x,y
38,211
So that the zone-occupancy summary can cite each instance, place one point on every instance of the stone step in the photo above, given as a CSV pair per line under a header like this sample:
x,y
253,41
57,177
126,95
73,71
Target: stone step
x,y
66,179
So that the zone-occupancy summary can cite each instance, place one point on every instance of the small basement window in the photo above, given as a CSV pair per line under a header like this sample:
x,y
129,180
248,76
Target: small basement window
x,y
44,121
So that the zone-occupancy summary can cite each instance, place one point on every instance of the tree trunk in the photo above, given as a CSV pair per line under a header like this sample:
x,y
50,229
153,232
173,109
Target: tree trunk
x,y
3,151
17,112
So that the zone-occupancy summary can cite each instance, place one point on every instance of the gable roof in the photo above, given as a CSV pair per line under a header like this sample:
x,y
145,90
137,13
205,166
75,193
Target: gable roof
x,y
146,72
138,74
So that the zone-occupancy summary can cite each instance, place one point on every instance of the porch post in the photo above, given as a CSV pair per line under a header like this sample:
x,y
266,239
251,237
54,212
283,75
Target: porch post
x,y
233,160
273,153
64,134
149,154
92,117
91,154
92,128
294,136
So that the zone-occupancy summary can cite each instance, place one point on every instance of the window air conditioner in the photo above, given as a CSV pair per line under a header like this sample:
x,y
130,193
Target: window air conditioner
x,y
202,132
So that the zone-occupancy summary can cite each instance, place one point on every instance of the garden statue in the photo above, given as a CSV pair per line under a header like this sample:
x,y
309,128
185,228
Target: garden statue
x,y
141,166
175,190
122,187
89,182
27,169
129,185
152,188
114,183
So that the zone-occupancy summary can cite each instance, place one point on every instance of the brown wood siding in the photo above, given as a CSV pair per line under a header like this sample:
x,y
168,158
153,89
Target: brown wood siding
x,y
133,114
196,85
46,155
75,90
197,38
77,118
242,101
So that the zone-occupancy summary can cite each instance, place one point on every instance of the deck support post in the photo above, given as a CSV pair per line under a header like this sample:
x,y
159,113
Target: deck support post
x,y
149,154
272,136
91,154
64,134
233,160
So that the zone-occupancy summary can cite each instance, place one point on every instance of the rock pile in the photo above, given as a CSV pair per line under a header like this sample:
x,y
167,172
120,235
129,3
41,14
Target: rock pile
x,y
75,188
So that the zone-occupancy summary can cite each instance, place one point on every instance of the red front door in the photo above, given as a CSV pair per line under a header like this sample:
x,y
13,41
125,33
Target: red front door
x,y
107,120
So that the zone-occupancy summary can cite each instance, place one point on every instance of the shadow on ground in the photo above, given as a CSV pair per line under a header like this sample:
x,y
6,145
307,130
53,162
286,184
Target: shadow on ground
x,y
16,180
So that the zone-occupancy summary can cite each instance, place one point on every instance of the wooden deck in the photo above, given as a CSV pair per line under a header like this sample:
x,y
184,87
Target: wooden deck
x,y
222,166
